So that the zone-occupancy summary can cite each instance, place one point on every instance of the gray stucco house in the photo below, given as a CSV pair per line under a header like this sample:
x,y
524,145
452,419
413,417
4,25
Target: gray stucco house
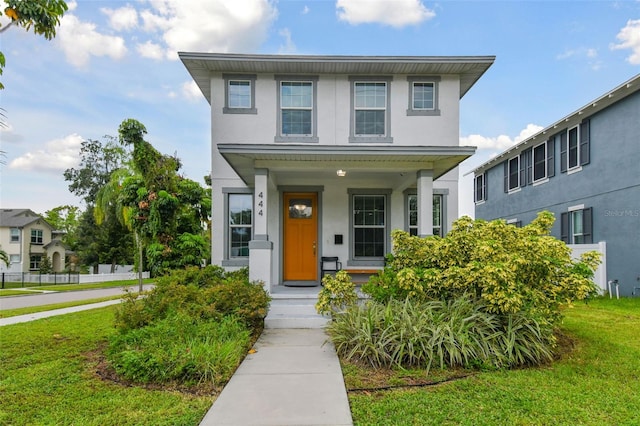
x,y
323,156
584,168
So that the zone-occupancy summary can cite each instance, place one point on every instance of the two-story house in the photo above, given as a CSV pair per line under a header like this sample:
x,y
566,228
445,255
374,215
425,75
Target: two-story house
x,y
584,168
323,156
26,238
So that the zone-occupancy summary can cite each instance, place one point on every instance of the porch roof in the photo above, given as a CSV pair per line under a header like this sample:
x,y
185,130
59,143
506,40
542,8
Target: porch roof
x,y
324,160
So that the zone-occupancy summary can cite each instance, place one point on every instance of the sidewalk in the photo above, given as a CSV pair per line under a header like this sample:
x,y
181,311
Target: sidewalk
x,y
46,314
294,378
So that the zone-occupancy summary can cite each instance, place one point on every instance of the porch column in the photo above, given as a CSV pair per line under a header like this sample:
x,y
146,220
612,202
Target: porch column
x,y
260,248
425,203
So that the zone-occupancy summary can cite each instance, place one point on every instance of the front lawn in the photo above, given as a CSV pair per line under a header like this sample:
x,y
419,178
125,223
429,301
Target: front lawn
x,y
596,382
48,377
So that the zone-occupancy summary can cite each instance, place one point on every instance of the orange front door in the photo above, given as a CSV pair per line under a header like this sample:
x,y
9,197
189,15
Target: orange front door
x,y
300,236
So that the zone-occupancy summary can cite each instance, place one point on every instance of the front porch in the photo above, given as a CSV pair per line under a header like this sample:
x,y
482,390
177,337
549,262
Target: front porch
x,y
294,307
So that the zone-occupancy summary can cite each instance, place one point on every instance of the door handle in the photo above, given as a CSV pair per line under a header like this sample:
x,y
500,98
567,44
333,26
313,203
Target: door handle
x,y
314,248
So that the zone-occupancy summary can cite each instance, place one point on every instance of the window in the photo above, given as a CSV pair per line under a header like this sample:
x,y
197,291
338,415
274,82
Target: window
x,y
513,174
369,226
297,108
34,262
423,95
36,236
370,110
15,235
438,213
576,225
240,92
480,188
240,214
540,162
14,258
575,147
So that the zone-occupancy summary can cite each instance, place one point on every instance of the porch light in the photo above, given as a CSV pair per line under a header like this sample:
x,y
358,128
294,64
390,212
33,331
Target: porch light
x,y
341,173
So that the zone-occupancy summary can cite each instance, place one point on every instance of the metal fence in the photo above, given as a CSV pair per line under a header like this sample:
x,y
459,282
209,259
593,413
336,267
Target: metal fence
x,y
24,278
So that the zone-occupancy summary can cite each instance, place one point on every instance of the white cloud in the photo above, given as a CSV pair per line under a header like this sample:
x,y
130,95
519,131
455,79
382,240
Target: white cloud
x,y
396,13
80,40
288,46
305,10
150,50
211,26
190,90
500,142
123,18
629,38
57,155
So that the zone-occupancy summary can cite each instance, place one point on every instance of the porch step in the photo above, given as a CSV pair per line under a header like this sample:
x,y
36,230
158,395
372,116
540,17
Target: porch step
x,y
294,313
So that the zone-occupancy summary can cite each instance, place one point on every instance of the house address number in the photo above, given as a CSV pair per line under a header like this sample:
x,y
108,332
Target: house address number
x,y
260,203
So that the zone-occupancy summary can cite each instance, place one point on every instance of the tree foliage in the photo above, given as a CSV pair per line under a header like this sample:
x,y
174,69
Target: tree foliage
x,y
64,218
165,209
43,16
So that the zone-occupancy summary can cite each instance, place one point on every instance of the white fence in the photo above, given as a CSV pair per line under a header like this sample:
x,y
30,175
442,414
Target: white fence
x,y
600,277
101,278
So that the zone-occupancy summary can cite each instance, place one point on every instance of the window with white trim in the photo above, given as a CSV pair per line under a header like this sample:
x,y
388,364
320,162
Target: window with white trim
x,y
576,225
540,162
514,173
240,214
240,90
15,235
36,236
575,147
34,262
14,258
369,226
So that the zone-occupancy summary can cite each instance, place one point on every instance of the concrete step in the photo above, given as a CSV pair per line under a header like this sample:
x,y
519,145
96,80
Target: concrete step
x,y
294,313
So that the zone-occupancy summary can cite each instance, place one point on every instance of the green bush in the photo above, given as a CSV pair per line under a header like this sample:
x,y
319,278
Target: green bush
x,y
337,293
207,293
456,333
180,348
510,270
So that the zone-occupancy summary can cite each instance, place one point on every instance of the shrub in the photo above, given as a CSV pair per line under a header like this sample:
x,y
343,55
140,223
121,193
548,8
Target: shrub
x,y
180,348
459,332
510,270
207,293
337,293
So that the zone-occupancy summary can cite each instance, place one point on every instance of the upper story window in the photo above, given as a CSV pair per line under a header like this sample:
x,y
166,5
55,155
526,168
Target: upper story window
x,y
297,109
370,117
36,236
480,188
423,95
15,235
513,175
575,147
540,162
239,92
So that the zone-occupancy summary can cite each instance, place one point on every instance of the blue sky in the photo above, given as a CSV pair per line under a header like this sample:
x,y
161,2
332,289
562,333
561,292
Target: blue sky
x,y
113,60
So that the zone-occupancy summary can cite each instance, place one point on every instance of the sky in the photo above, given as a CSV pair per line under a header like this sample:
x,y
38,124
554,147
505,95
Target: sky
x,y
114,60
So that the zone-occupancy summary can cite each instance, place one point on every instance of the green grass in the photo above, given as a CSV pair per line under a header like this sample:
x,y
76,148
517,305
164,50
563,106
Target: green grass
x,y
74,287
33,309
47,377
596,383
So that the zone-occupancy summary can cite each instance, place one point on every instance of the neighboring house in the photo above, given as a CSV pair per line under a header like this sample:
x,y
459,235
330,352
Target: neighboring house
x,y
26,238
323,156
585,168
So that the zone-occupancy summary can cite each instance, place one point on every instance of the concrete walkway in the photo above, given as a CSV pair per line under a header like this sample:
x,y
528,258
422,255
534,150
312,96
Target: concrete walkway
x,y
46,314
293,378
